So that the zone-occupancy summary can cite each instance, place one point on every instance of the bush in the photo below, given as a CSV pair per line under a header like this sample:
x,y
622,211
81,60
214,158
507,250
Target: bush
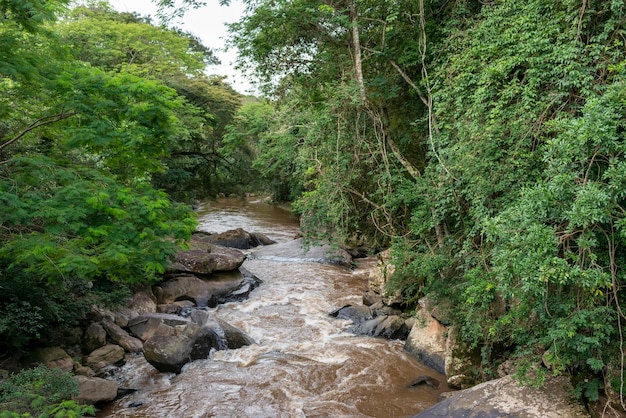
x,y
41,392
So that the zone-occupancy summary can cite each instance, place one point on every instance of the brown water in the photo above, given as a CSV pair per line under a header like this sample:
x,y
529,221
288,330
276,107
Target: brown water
x,y
303,365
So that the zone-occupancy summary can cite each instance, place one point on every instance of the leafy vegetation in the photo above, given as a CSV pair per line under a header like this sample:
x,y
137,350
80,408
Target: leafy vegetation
x,y
106,121
481,140
41,392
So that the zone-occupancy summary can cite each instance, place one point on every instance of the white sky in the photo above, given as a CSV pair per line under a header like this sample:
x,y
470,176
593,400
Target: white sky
x,y
208,24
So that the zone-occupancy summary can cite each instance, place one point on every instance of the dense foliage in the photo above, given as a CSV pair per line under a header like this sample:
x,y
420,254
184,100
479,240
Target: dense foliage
x,y
483,141
41,392
106,120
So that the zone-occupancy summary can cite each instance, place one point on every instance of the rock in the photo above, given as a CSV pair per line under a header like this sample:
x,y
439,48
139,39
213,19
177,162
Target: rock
x,y
427,342
390,327
236,238
205,258
51,357
211,291
169,352
121,337
144,326
79,369
142,301
102,357
95,337
94,389
175,307
228,336
504,397
371,298
295,251
425,380
235,338
355,313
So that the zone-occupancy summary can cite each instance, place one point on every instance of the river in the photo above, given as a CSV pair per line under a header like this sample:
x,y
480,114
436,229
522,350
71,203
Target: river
x,y
304,363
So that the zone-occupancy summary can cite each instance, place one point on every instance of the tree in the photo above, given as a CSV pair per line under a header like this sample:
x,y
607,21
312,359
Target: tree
x,y
78,147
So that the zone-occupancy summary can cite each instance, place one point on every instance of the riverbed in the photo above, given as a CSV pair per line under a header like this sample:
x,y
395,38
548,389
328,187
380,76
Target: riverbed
x,y
304,363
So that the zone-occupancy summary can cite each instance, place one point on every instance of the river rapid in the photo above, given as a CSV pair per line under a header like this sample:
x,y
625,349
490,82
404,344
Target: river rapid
x,y
304,363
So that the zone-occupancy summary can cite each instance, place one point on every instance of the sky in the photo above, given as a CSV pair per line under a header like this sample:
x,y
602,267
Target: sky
x,y
208,24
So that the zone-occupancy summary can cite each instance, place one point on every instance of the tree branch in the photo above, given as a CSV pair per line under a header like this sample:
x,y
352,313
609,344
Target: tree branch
x,y
46,120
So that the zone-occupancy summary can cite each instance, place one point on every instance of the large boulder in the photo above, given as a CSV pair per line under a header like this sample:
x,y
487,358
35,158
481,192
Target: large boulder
x,y
427,341
205,258
219,288
505,397
297,251
436,346
145,326
94,389
51,357
369,322
103,357
121,337
235,238
170,348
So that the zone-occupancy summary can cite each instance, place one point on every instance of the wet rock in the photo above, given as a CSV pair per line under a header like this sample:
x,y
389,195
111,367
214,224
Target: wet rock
x,y
204,258
228,336
296,251
505,397
144,326
391,327
109,355
94,389
170,351
225,287
425,380
355,313
236,238
51,357
95,337
121,337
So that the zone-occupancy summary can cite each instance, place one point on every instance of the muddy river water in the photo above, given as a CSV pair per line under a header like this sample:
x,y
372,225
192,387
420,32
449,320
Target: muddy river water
x,y
304,363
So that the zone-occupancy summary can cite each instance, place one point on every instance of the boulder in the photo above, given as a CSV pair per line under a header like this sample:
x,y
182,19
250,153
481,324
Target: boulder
x,y
169,351
103,357
505,397
145,326
392,327
95,337
142,301
51,357
219,288
121,337
355,313
204,258
427,341
236,238
94,389
228,336
175,307
297,251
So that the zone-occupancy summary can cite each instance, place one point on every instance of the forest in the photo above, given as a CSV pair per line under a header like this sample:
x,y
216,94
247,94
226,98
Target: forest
x,y
483,141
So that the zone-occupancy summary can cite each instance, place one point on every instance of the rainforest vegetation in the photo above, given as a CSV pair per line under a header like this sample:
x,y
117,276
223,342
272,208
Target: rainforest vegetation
x,y
482,141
